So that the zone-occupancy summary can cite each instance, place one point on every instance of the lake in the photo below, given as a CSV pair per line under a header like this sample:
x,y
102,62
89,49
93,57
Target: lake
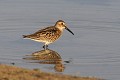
x,y
94,50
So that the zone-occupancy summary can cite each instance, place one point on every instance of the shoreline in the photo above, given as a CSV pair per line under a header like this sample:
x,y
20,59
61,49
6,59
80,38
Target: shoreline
x,y
9,72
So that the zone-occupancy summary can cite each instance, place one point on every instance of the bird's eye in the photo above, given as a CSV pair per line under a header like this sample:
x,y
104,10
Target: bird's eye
x,y
62,23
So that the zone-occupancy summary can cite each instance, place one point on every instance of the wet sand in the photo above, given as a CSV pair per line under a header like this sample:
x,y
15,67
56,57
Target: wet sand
x,y
17,73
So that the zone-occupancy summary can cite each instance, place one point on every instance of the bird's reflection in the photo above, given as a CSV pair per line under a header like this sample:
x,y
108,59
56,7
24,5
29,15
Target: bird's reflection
x,y
47,57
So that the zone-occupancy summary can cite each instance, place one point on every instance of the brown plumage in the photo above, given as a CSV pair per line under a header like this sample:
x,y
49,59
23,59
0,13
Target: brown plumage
x,y
48,35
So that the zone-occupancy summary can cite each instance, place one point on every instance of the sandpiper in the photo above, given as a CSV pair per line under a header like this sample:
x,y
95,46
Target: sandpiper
x,y
50,34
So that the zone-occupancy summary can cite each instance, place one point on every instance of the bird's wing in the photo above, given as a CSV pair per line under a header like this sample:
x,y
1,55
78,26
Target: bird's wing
x,y
46,32
49,31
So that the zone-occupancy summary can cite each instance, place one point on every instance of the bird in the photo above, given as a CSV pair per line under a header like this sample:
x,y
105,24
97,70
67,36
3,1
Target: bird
x,y
49,34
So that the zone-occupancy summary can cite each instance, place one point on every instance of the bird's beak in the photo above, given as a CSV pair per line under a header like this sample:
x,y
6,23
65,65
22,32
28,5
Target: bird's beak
x,y
69,30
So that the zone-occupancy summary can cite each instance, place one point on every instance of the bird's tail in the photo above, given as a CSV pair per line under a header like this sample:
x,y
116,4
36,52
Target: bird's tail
x,y
24,36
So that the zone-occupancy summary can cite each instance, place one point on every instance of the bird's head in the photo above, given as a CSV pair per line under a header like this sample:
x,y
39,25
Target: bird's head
x,y
60,24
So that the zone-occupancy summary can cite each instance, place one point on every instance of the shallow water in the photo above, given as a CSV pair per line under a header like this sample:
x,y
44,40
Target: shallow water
x,y
94,50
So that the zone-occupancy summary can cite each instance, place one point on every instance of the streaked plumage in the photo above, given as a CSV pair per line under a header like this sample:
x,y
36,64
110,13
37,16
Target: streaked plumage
x,y
50,34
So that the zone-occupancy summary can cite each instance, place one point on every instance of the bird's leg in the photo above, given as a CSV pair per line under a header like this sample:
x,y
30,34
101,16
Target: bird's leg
x,y
45,47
